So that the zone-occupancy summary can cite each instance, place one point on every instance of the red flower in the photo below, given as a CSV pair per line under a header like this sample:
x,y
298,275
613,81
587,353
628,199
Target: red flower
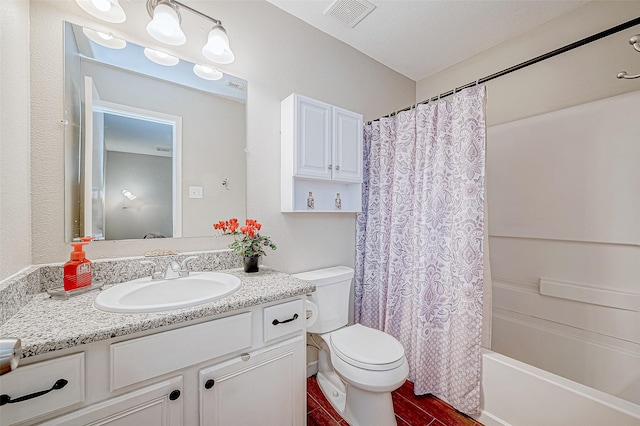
x,y
252,243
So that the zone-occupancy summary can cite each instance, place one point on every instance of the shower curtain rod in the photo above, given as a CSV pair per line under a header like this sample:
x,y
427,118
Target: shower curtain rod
x,y
525,64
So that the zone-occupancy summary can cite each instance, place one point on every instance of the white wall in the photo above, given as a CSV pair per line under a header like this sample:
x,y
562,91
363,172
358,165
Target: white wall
x,y
277,54
563,207
581,75
15,208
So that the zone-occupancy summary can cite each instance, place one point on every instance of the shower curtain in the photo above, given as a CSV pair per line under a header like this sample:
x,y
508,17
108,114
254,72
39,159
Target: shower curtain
x,y
420,241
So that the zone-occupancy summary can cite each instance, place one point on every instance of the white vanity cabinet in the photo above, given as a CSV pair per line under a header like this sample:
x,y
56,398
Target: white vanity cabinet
x,y
158,404
42,388
321,153
230,370
268,380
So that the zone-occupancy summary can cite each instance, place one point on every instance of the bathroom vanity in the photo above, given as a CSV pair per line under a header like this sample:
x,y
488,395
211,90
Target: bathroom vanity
x,y
238,360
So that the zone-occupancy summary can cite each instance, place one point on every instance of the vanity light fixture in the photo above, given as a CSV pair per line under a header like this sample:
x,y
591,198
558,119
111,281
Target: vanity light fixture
x,y
165,27
165,22
160,58
107,10
206,72
217,48
104,39
128,194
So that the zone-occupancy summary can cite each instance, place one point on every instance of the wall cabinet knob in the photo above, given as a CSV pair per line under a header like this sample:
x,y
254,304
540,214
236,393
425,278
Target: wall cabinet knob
x,y
209,384
174,395
337,167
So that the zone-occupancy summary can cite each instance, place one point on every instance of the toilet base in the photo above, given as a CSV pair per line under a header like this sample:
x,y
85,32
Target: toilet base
x,y
357,406
333,394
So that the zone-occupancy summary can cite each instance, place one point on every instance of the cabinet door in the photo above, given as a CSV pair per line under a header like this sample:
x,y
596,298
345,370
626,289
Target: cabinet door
x,y
347,151
267,388
158,405
313,138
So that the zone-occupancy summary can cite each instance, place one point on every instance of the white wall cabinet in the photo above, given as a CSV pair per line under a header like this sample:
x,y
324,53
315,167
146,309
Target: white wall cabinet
x,y
259,375
321,153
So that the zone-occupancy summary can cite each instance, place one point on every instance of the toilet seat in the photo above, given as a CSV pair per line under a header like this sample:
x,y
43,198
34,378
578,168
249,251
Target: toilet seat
x,y
367,348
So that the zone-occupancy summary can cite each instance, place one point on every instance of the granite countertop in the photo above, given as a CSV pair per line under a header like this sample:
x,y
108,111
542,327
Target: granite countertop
x,y
46,325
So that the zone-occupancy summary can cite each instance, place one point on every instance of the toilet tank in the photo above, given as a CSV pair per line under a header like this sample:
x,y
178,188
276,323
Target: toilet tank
x,y
332,295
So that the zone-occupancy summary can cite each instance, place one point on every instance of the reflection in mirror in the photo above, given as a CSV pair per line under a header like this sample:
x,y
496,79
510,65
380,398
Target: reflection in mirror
x,y
151,151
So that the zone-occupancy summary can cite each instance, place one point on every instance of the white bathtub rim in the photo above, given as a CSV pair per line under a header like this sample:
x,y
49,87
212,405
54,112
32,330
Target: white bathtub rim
x,y
597,396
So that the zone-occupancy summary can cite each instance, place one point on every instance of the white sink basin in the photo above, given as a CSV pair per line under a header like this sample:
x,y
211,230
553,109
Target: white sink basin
x,y
147,295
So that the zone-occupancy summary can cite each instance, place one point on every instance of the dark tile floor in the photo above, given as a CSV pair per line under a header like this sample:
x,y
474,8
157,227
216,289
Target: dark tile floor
x,y
410,410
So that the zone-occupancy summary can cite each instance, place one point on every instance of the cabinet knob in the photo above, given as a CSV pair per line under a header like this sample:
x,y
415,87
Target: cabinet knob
x,y
337,167
174,395
245,356
209,384
330,166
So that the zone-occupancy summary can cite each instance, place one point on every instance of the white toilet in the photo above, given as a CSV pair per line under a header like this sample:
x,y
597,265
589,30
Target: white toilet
x,y
358,366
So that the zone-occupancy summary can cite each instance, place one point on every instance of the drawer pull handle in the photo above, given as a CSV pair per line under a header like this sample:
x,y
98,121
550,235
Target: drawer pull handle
x,y
293,318
209,384
6,399
174,395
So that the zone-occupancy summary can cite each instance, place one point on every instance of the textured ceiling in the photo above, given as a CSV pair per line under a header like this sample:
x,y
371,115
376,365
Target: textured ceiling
x,y
418,38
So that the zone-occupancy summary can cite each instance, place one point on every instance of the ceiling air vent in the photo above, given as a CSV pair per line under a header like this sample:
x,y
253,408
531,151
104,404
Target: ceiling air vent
x,y
349,12
237,86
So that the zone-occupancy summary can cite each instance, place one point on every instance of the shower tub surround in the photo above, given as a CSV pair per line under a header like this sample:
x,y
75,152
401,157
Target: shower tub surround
x,y
44,324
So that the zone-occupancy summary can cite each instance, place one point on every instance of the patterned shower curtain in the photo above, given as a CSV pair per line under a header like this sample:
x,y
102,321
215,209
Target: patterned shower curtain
x,y
419,261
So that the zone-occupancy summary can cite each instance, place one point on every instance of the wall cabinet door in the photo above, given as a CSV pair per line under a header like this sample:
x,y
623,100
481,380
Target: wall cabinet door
x,y
313,133
321,156
265,387
158,405
347,146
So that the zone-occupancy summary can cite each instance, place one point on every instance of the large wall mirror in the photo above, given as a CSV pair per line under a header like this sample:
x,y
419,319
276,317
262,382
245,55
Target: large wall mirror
x,y
151,151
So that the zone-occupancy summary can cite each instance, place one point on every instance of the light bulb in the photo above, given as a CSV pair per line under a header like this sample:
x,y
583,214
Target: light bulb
x,y
128,194
104,36
101,5
165,26
160,58
104,39
107,10
217,48
207,73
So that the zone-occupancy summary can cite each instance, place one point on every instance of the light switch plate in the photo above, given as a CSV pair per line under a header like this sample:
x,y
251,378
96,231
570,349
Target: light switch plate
x,y
195,192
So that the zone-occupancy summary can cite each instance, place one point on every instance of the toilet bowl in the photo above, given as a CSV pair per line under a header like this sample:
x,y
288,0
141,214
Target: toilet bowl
x,y
358,366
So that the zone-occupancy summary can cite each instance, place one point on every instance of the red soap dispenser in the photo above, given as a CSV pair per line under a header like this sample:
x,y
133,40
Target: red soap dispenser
x,y
78,270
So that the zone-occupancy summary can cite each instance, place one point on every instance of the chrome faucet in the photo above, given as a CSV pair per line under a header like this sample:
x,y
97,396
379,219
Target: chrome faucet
x,y
173,269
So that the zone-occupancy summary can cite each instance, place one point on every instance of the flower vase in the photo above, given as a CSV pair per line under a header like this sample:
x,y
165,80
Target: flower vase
x,y
251,263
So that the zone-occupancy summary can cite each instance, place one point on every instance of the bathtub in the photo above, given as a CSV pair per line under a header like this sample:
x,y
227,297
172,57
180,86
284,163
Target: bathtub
x,y
517,394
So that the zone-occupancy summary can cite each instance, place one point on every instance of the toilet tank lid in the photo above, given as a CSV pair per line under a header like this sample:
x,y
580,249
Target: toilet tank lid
x,y
326,276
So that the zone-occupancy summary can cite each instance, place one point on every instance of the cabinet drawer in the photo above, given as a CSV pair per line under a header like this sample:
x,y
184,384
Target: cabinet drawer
x,y
40,377
283,319
140,359
158,404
